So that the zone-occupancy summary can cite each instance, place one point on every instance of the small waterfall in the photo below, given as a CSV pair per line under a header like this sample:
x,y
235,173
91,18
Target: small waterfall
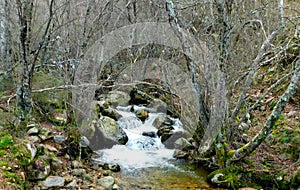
x,y
140,151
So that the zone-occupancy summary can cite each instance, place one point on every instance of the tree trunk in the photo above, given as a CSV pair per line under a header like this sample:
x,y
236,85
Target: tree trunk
x,y
269,124
5,38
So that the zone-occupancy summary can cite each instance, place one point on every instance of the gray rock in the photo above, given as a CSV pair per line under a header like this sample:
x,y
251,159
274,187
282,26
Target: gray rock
x,y
32,149
45,134
84,142
110,112
79,172
59,139
51,148
158,105
116,187
118,98
106,182
183,144
34,139
33,131
111,130
53,181
72,185
77,164
57,163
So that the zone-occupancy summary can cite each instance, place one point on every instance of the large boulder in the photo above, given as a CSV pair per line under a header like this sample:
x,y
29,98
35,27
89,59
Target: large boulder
x,y
117,98
107,133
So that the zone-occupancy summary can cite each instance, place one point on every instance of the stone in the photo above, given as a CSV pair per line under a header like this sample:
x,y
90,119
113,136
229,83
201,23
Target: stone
x,y
72,185
44,134
33,131
77,164
79,172
157,105
34,139
117,98
33,150
107,173
57,164
51,148
179,154
84,142
164,129
113,167
68,178
59,139
40,169
106,182
183,144
151,134
142,114
170,142
110,129
116,187
111,112
53,181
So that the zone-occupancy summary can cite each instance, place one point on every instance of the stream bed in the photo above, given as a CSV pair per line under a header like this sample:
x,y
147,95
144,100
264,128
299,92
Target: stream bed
x,y
145,162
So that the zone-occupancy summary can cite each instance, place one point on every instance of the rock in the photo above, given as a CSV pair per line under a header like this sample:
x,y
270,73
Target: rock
x,y
32,149
34,139
107,173
112,113
170,142
158,105
165,136
117,98
179,154
151,134
109,128
60,116
113,167
51,148
77,164
40,169
68,178
57,164
44,134
84,142
33,131
59,139
106,182
164,129
79,172
116,187
72,185
53,181
183,144
142,114
162,121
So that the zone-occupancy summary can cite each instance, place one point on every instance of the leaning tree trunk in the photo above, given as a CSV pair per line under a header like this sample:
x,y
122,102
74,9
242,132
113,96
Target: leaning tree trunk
x,y
270,123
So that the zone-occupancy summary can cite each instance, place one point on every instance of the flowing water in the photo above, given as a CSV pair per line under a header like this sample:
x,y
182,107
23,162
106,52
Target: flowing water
x,y
145,162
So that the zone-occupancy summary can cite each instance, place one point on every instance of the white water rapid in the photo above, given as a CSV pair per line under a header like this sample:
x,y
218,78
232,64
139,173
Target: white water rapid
x,y
140,151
